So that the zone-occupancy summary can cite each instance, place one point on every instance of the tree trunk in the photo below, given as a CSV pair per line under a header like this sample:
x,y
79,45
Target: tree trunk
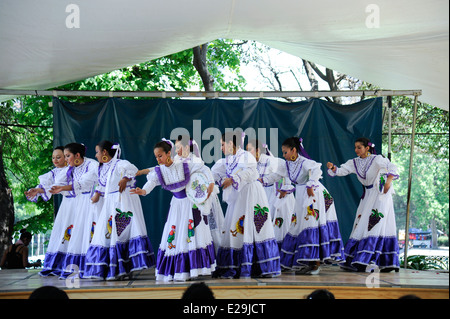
x,y
434,234
311,77
6,209
327,77
202,67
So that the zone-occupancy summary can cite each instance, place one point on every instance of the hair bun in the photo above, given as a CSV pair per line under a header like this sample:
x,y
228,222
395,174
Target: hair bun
x,y
23,230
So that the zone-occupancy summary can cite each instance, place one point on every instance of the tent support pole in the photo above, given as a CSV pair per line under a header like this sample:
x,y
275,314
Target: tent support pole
x,y
408,201
389,101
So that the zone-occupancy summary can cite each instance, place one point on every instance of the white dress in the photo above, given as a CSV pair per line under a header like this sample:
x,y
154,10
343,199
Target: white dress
x,y
314,233
46,182
373,240
120,244
215,218
186,250
74,224
248,245
281,209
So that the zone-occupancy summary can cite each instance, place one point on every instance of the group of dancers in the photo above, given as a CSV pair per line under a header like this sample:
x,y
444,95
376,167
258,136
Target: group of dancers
x,y
278,216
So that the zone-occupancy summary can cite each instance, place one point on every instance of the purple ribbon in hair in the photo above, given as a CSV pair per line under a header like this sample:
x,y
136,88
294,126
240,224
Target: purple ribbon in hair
x,y
302,151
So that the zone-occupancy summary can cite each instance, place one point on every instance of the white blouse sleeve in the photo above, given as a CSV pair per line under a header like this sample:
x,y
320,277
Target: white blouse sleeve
x,y
126,169
314,171
45,183
219,171
247,174
272,176
152,182
344,170
385,164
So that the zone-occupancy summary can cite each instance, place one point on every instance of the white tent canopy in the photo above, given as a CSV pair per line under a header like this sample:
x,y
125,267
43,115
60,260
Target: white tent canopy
x,y
395,44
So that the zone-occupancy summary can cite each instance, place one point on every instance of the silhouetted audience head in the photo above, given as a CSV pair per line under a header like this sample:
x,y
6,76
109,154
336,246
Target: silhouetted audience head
x,y
410,297
198,291
48,292
320,294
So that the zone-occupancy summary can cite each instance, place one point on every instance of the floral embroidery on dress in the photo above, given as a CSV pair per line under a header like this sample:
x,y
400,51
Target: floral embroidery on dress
x,y
171,237
191,231
239,227
109,227
294,219
278,222
67,234
310,211
92,230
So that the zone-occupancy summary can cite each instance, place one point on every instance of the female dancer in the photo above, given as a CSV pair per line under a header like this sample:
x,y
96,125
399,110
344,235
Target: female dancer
x,y
74,223
120,244
373,240
186,250
314,236
48,179
187,150
248,245
281,208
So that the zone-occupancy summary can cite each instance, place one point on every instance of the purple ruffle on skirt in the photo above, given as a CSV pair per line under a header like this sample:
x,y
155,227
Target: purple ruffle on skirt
x,y
63,264
380,251
121,259
201,258
322,243
252,260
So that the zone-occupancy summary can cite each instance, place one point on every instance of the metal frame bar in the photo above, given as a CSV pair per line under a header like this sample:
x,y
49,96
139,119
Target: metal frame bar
x,y
215,94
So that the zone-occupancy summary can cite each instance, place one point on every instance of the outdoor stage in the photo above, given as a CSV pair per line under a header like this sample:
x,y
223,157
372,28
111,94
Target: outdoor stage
x,y
18,284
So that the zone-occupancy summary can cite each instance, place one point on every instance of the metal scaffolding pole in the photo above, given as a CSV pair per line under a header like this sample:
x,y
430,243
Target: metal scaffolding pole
x,y
215,94
408,201
389,101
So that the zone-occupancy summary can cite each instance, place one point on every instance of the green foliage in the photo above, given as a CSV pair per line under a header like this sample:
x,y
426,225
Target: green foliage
x,y
28,137
430,179
419,262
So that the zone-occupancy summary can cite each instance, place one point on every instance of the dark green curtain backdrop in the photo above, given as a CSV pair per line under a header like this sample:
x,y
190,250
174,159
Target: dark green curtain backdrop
x,y
328,131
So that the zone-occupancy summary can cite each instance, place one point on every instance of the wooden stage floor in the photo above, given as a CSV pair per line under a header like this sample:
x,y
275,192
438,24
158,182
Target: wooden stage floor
x,y
18,284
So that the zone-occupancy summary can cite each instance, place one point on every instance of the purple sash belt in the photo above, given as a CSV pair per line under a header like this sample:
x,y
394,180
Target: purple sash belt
x,y
180,194
364,190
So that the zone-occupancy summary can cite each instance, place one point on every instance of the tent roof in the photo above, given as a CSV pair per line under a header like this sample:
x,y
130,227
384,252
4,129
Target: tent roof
x,y
408,49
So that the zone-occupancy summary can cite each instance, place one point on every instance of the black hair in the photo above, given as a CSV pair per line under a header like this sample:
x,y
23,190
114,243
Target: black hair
x,y
366,142
198,291
75,148
185,141
48,292
107,145
294,141
256,143
230,136
320,294
61,148
24,234
166,147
